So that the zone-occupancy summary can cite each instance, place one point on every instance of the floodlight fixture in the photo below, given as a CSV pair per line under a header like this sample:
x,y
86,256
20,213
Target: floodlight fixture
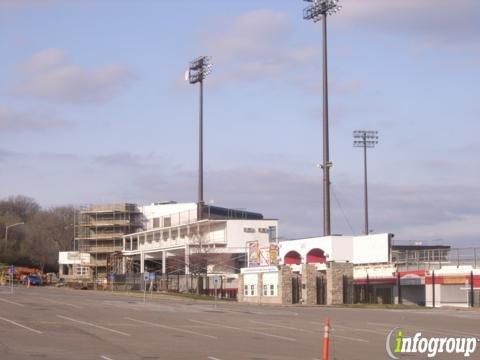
x,y
197,71
320,9
365,139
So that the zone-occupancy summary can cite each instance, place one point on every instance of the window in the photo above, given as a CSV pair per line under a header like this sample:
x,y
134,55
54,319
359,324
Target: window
x,y
167,221
250,284
270,281
248,230
272,236
263,230
156,222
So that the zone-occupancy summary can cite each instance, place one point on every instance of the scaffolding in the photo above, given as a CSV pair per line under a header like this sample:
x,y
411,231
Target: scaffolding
x,y
99,229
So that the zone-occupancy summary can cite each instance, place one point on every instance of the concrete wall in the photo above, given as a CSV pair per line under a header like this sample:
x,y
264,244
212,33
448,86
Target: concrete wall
x,y
285,285
309,284
429,296
280,279
335,273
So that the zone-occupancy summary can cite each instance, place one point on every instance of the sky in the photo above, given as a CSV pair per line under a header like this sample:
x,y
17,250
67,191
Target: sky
x,y
94,108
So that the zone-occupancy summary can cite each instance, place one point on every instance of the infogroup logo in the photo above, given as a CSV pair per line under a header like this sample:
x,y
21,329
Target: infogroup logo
x,y
398,344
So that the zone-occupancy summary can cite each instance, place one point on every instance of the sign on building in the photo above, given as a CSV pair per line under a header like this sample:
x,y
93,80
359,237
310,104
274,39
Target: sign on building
x,y
253,254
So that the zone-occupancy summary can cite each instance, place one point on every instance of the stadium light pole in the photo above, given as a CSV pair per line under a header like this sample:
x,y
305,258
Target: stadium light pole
x,y
196,73
365,139
318,10
6,232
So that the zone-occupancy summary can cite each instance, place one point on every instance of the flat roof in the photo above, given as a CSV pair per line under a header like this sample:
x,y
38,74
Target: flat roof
x,y
420,247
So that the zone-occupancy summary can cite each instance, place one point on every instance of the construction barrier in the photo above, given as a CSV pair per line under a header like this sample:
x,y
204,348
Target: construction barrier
x,y
326,340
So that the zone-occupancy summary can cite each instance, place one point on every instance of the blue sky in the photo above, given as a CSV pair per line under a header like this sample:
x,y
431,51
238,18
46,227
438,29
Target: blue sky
x,y
94,108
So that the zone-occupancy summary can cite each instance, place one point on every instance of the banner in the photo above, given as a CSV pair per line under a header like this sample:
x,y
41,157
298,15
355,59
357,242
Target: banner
x,y
253,254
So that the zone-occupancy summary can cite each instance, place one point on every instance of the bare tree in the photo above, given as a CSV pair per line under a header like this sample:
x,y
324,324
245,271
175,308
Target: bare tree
x,y
44,234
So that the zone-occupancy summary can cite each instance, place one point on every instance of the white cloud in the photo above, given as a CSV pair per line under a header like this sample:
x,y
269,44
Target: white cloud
x,y
12,120
431,22
252,34
256,45
49,75
415,212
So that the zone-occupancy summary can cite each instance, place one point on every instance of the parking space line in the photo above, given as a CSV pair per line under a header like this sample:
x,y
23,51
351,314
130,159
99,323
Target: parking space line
x,y
105,357
244,330
94,325
282,326
344,328
20,325
334,336
59,302
388,326
429,330
213,358
12,302
171,328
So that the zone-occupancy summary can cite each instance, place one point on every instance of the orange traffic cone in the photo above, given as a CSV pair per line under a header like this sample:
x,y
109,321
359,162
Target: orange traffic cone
x,y
326,340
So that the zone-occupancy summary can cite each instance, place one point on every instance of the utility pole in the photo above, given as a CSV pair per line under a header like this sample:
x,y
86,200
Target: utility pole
x,y
316,12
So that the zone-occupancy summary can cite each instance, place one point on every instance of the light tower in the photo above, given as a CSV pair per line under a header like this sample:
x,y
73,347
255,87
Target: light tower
x,y
318,10
365,139
196,73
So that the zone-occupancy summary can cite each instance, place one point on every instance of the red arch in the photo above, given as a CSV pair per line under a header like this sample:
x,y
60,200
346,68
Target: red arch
x,y
292,257
316,256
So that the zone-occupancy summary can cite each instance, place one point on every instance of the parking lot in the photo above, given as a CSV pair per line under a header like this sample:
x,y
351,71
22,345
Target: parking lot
x,y
51,323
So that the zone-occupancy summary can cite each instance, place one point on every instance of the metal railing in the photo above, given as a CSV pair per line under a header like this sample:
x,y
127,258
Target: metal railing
x,y
436,258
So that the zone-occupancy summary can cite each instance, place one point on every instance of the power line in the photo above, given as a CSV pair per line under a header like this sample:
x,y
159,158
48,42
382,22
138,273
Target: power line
x,y
341,208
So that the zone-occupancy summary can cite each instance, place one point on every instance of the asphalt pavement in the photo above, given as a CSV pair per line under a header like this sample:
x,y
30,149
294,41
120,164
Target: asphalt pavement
x,y
57,323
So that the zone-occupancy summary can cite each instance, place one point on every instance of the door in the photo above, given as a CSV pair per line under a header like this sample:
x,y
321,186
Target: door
x,y
296,290
321,287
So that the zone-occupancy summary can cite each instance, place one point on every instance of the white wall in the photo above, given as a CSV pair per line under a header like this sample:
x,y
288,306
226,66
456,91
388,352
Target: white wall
x,y
371,249
270,284
303,246
228,235
238,238
250,281
356,249
152,211
342,248
73,257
